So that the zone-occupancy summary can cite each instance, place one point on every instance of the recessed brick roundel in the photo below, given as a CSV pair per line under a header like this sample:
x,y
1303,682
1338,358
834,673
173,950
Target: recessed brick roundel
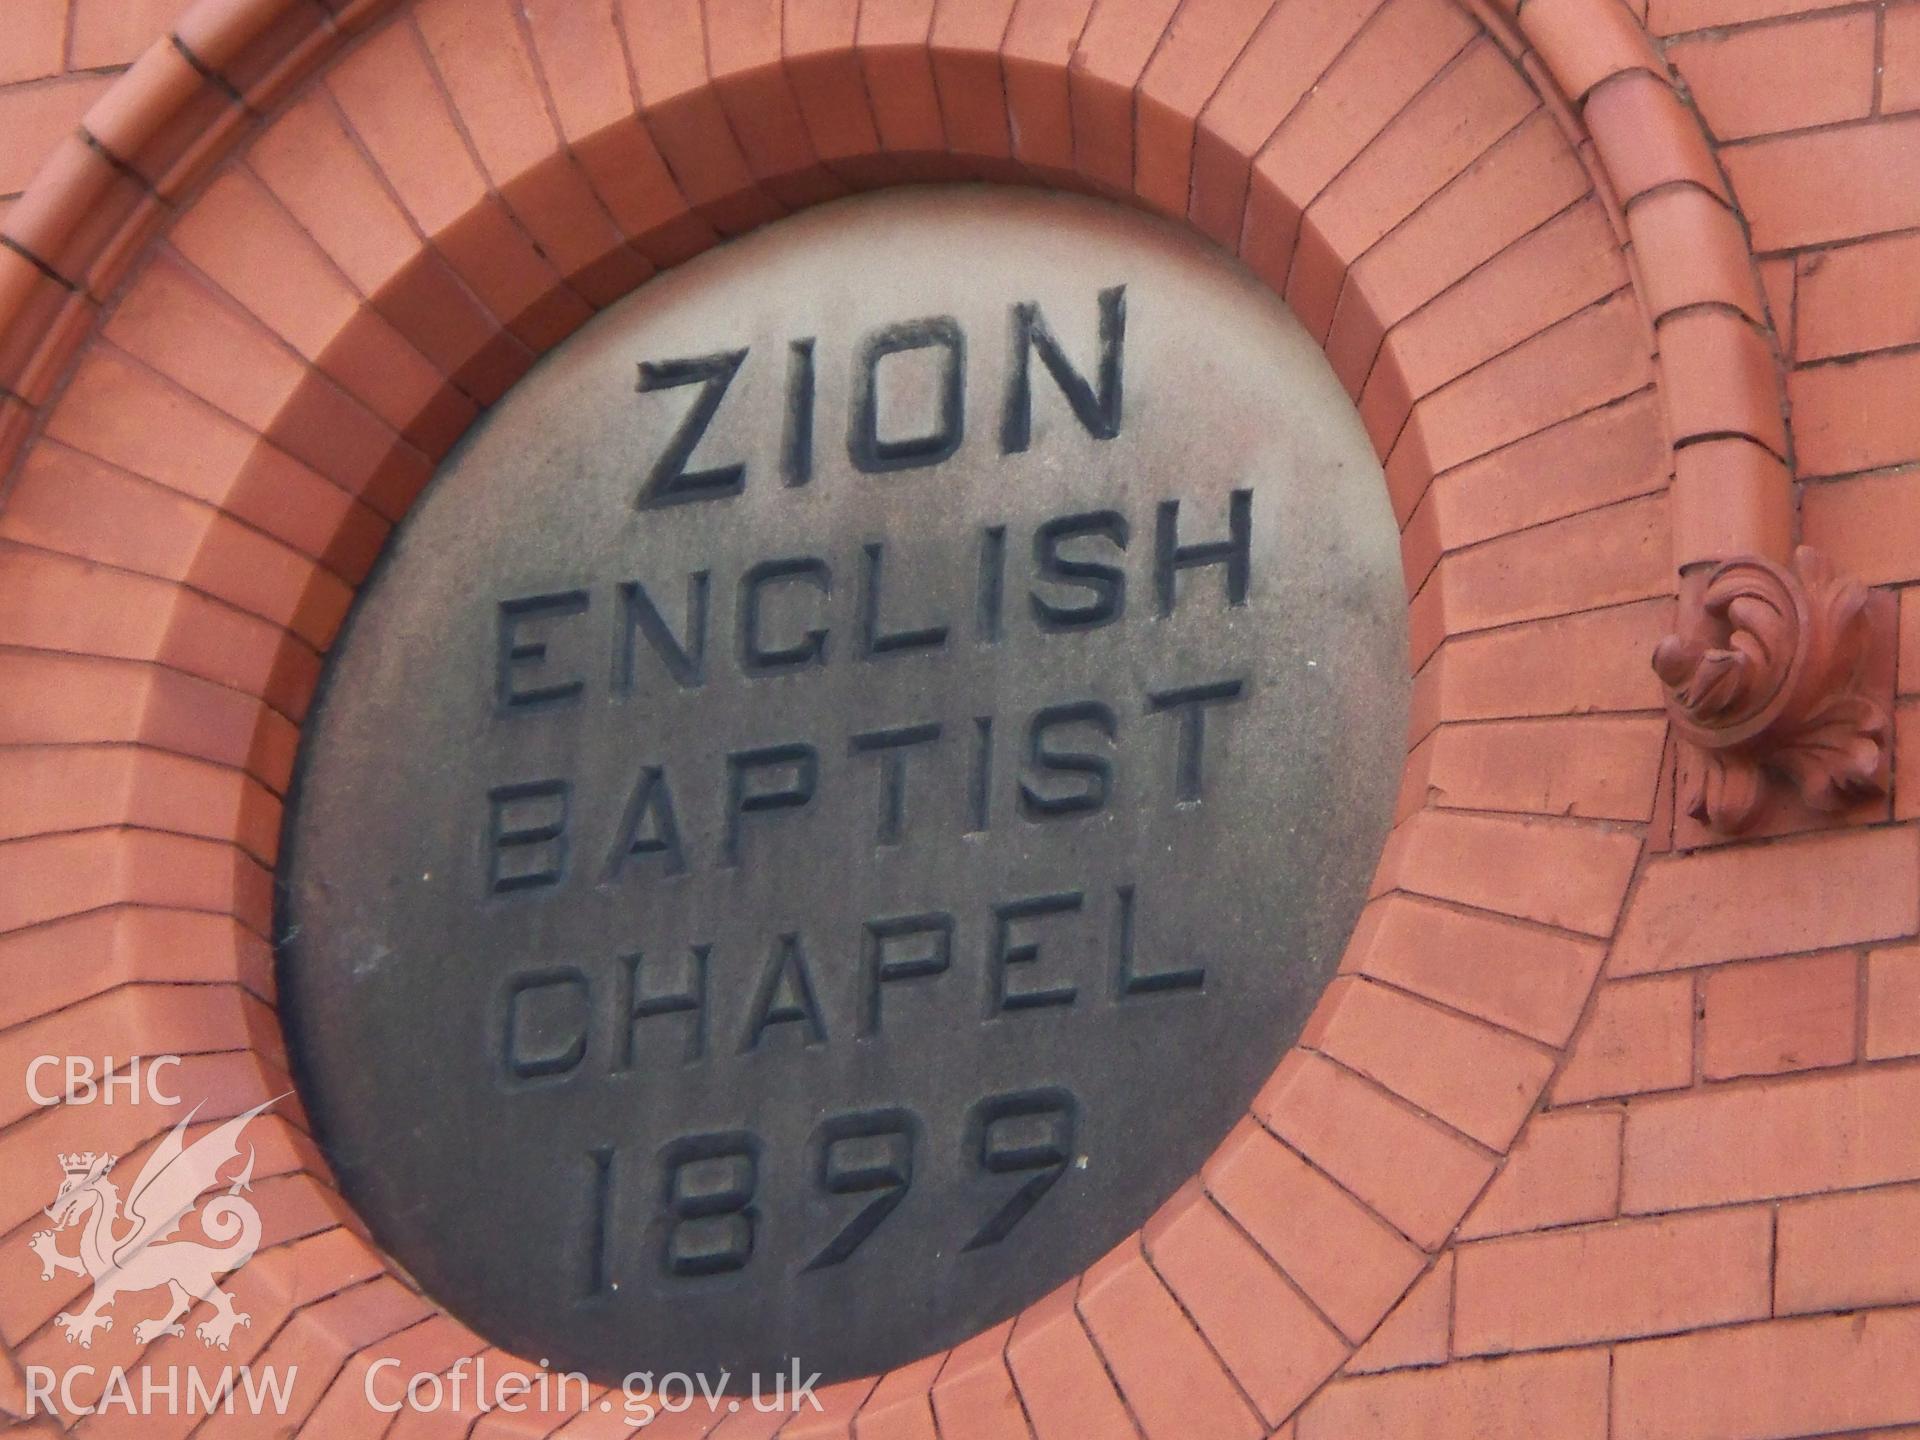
x,y
845,786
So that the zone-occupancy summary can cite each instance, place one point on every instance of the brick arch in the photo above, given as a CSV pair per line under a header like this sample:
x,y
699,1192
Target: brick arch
x,y
234,348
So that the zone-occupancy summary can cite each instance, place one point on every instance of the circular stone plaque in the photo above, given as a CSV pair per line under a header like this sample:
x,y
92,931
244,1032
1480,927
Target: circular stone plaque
x,y
844,787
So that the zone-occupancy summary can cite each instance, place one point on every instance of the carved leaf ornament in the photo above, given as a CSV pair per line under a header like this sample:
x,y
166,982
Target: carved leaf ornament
x,y
1766,678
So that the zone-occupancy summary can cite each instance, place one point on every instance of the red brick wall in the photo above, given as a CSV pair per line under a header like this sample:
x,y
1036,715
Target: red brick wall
x,y
1593,1138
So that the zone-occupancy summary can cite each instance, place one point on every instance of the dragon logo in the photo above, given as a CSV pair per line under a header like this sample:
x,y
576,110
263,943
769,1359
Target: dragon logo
x,y
119,1242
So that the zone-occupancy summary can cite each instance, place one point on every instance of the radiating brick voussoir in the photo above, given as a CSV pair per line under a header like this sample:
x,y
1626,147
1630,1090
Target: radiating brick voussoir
x,y
1346,1259
832,1420
1593,662
1529,176
1119,39
1479,1080
1199,47
1414,1172
824,70
1568,874
317,1341
1068,1391
49,877
67,503
54,602
319,473
964,48
974,1394
666,46
240,239
355,1403
900,1405
395,108
1610,556
134,1020
1294,50
749,74
1601,456
583,62
101,950
487,68
287,1162
1524,978
315,169
891,40
1466,109
1595,357
89,787
268,1288
57,699
1173,1382
1034,54
1564,265
1270,1338
1602,767
1396,58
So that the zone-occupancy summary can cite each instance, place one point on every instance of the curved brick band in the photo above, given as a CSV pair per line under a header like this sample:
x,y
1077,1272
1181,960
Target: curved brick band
x,y
1720,366
233,351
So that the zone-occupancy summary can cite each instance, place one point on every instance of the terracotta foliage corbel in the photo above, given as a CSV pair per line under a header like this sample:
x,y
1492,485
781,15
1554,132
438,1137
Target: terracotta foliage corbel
x,y
1767,678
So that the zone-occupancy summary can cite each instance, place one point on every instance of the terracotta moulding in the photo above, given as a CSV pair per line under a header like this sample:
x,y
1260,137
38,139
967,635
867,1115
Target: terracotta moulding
x,y
1768,678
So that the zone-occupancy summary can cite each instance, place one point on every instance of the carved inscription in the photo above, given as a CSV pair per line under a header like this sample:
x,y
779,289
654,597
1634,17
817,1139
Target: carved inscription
x,y
674,1001
843,789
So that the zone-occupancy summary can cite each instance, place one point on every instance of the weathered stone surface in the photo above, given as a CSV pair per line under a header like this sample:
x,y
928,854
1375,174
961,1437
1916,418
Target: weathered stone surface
x,y
844,787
